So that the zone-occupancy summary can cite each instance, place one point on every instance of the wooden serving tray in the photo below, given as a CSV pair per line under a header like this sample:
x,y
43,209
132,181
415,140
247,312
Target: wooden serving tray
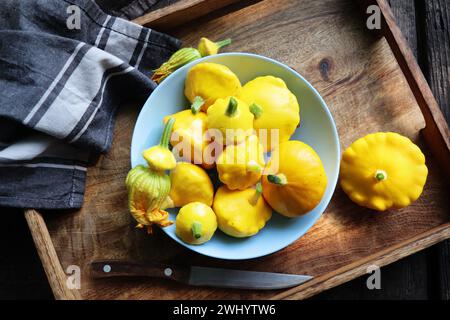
x,y
370,83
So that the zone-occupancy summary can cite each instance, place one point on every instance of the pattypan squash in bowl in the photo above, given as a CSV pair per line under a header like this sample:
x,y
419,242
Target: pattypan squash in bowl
x,y
317,130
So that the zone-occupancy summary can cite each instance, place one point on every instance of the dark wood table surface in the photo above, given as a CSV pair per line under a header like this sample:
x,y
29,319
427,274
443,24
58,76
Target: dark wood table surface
x,y
425,275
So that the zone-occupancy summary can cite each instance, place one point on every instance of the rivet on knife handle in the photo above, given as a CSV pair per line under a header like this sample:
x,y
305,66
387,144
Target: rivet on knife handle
x,y
115,268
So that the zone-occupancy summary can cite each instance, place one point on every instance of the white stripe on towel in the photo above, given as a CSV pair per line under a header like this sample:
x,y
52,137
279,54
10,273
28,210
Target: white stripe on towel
x,y
88,122
102,30
78,93
144,47
53,85
40,145
123,39
45,165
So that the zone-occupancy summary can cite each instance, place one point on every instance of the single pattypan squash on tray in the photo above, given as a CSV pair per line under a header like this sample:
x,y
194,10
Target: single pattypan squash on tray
x,y
210,81
240,166
241,213
382,171
296,179
274,107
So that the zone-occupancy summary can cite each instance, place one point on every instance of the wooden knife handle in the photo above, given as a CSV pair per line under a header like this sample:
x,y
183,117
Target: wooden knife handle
x,y
117,268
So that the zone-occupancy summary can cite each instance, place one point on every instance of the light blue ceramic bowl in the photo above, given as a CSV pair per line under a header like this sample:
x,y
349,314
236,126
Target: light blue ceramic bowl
x,y
317,129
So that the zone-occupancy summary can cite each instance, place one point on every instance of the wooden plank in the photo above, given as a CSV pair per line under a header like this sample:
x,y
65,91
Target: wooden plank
x,y
437,55
326,42
359,268
444,269
436,131
180,12
55,273
437,33
404,12
404,279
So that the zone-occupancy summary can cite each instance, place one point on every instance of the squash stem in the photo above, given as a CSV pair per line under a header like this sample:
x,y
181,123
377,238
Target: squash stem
x,y
232,107
279,179
253,166
197,104
256,110
258,192
197,230
223,43
166,133
259,188
380,175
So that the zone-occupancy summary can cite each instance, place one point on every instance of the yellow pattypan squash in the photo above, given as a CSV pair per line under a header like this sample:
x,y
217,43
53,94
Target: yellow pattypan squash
x,y
195,223
241,213
383,170
240,166
188,137
232,118
296,181
207,47
274,107
210,81
159,157
190,183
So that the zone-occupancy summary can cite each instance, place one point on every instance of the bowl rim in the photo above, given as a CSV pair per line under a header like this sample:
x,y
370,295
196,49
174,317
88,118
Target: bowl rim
x,y
336,161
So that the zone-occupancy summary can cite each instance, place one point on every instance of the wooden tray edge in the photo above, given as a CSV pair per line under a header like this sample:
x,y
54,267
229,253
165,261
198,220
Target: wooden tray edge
x,y
434,129
57,277
55,274
359,268
180,13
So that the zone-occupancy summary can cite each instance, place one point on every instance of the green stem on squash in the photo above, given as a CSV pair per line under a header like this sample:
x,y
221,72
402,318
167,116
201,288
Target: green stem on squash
x,y
232,107
197,230
197,104
223,43
256,110
258,192
279,179
253,166
258,188
381,175
166,133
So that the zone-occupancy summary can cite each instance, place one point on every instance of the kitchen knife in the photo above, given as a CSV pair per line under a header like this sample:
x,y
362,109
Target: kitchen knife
x,y
198,276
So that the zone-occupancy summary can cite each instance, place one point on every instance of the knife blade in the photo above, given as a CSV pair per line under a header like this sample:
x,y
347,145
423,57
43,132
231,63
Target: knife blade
x,y
198,276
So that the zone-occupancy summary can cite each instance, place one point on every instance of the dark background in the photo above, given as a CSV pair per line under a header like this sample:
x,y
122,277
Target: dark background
x,y
425,275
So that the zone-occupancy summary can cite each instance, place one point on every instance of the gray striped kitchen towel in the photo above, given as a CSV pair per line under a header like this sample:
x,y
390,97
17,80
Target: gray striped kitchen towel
x,y
60,83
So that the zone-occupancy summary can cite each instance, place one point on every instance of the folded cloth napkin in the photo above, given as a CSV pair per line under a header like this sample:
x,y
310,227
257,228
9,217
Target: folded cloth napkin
x,y
59,88
130,9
